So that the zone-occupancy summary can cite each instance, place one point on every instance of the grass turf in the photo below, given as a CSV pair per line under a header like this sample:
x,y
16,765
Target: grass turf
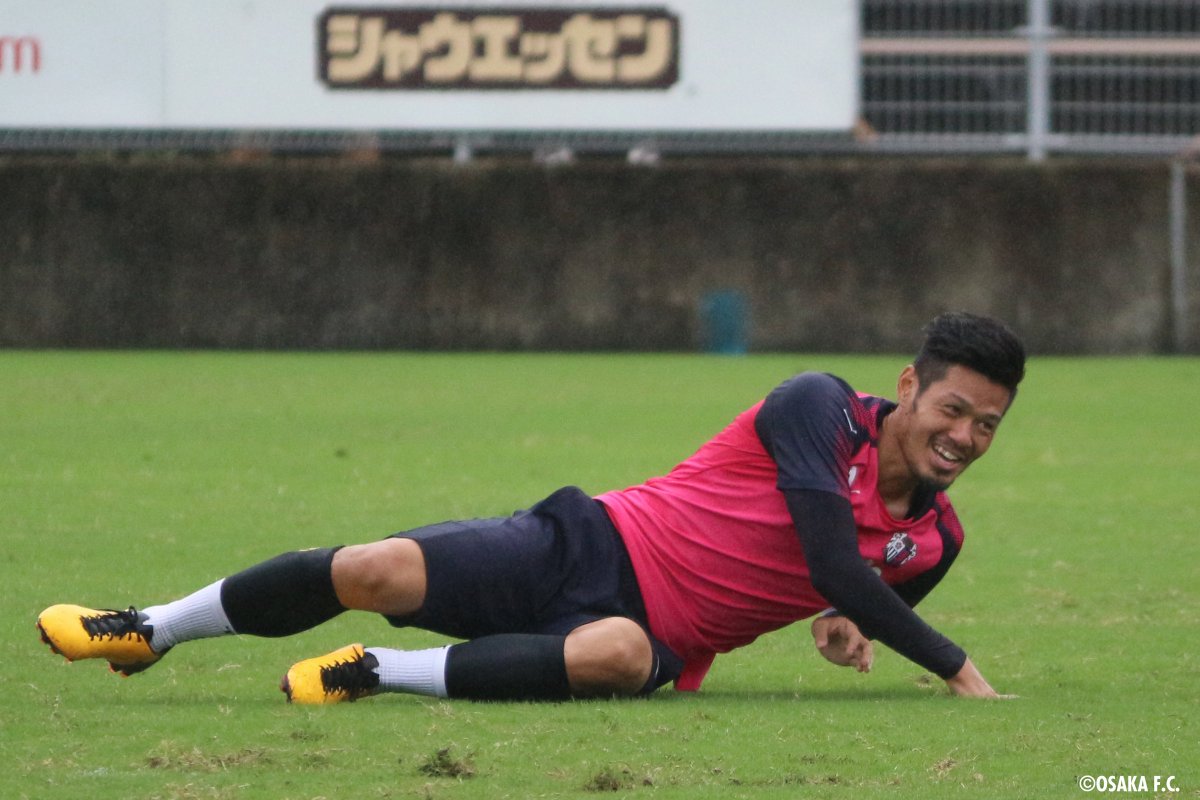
x,y
136,477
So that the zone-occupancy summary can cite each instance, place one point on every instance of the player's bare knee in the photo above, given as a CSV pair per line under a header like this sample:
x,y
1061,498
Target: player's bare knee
x,y
387,577
611,656
632,660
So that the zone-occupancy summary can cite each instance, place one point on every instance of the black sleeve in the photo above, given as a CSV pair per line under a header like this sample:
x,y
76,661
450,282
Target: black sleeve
x,y
810,425
828,534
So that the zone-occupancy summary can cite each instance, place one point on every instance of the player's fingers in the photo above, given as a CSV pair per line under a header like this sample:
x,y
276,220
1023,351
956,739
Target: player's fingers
x,y
868,656
853,654
864,660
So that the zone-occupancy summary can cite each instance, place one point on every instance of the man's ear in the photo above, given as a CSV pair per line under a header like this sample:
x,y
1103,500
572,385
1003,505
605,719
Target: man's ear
x,y
907,385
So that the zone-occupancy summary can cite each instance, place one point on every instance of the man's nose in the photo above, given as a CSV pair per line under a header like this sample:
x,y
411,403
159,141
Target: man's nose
x,y
960,432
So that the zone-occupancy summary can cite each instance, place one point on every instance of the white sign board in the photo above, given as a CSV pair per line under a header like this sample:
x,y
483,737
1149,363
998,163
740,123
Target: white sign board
x,y
615,65
75,63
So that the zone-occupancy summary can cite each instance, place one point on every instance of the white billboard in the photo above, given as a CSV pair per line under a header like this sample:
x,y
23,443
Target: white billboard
x,y
615,65
75,63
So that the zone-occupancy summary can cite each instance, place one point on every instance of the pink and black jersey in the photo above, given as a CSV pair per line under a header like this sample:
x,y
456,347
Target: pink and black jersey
x,y
715,547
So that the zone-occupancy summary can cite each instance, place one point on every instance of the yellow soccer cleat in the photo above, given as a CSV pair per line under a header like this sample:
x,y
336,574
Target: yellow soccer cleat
x,y
120,637
342,676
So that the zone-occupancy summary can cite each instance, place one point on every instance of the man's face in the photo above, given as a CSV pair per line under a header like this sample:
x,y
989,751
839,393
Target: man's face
x,y
949,423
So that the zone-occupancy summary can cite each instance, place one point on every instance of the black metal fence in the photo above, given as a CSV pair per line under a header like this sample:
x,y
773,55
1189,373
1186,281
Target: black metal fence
x,y
1040,76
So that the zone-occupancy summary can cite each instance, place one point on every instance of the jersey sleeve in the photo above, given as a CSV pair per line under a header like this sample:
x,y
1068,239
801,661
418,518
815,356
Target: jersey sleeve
x,y
811,425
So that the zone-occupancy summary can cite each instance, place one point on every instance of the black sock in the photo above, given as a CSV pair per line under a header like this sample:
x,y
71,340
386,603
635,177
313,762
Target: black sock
x,y
285,595
515,666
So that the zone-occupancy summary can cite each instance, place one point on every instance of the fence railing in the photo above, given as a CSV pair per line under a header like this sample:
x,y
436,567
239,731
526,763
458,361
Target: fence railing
x,y
1039,76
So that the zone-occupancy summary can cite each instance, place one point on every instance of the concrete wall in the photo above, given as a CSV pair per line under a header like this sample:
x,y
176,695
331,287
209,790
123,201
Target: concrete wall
x,y
156,251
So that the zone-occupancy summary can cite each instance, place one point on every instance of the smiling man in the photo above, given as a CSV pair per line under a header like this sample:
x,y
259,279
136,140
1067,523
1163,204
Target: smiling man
x,y
816,501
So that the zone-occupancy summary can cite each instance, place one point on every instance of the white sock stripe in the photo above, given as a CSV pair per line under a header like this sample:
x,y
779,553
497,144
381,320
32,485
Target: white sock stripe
x,y
200,615
439,672
413,671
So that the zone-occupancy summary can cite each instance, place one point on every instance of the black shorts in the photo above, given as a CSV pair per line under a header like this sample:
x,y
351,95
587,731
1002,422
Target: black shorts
x,y
550,569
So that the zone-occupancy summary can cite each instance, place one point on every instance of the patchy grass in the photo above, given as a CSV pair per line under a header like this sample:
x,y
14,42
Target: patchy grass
x,y
170,756
443,764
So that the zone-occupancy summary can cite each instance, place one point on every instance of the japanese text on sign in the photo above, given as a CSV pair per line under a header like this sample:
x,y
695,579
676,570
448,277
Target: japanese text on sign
x,y
498,49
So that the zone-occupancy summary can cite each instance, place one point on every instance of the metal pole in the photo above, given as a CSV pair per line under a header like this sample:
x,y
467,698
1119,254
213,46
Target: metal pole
x,y
1178,213
1038,75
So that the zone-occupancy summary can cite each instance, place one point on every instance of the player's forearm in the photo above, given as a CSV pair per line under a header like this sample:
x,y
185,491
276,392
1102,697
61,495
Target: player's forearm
x,y
825,524
880,614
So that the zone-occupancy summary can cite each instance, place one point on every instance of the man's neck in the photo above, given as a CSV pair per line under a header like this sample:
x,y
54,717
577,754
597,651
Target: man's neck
x,y
896,483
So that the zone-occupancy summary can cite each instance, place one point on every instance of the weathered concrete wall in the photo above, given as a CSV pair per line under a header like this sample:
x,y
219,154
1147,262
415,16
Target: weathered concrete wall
x,y
328,253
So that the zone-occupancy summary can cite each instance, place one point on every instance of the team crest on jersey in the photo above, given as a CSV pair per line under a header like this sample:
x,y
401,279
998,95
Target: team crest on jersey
x,y
899,550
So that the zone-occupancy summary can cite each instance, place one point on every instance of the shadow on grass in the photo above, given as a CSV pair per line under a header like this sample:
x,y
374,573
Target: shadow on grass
x,y
892,694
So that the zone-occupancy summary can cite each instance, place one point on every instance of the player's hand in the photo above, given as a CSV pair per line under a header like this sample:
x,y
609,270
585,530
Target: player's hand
x,y
841,642
970,683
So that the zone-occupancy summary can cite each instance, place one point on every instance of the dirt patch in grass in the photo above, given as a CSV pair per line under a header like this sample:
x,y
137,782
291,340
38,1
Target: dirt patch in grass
x,y
444,764
606,780
613,779
170,757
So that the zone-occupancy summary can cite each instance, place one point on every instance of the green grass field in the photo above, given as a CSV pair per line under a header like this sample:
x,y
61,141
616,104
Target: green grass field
x,y
132,478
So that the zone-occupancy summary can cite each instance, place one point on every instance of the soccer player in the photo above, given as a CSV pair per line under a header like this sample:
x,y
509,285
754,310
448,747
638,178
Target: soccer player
x,y
816,501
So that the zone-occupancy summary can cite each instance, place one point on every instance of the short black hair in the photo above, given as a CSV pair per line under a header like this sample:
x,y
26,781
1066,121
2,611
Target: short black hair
x,y
983,344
